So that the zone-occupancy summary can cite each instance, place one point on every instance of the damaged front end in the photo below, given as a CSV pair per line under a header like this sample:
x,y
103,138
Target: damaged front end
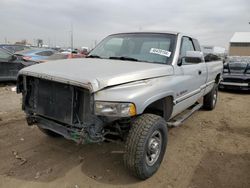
x,y
62,108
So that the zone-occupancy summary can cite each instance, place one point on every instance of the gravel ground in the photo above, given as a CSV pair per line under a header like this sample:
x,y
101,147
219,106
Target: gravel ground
x,y
211,149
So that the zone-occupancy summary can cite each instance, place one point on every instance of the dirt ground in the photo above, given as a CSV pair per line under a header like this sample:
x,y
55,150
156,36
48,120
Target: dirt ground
x,y
211,149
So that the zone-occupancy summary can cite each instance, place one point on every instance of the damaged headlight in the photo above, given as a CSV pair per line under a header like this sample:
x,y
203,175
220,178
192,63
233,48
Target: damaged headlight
x,y
114,109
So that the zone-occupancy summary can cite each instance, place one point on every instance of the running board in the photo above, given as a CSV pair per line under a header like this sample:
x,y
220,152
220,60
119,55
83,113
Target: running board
x,y
179,119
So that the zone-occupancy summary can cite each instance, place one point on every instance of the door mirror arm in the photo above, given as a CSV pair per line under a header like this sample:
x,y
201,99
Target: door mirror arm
x,y
179,63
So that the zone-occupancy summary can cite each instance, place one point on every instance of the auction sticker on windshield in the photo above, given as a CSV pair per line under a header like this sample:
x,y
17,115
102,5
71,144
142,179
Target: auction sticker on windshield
x,y
160,52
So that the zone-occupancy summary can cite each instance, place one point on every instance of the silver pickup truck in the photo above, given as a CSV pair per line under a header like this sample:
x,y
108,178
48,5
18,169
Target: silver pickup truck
x,y
132,86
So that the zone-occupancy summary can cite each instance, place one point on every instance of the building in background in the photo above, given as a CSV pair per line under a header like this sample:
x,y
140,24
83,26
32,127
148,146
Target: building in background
x,y
240,44
216,50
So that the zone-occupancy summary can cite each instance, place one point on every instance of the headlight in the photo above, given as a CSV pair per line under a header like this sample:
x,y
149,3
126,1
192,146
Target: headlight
x,y
115,109
225,70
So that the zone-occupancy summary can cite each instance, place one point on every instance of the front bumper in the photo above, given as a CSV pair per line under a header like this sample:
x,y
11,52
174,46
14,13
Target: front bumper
x,y
88,133
234,86
235,82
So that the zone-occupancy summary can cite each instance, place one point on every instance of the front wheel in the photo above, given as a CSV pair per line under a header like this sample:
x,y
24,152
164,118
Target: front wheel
x,y
145,145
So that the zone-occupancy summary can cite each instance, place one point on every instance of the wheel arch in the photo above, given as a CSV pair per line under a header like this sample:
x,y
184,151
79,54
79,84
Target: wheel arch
x,y
161,106
218,78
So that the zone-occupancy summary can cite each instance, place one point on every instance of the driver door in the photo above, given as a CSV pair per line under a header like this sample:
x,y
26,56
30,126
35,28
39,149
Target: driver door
x,y
193,75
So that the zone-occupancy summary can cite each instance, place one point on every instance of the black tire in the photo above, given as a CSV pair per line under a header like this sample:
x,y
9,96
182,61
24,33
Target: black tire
x,y
49,133
136,157
210,99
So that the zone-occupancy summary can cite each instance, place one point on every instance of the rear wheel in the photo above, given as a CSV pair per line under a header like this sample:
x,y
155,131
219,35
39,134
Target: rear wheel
x,y
145,145
210,99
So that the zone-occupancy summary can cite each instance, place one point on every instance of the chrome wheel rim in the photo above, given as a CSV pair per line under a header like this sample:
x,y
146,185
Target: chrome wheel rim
x,y
154,148
214,98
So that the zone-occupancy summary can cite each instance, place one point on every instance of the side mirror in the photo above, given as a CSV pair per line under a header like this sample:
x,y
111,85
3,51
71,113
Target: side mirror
x,y
191,57
194,57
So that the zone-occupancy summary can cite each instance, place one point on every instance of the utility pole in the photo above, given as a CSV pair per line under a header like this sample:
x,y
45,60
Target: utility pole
x,y
55,41
49,42
71,36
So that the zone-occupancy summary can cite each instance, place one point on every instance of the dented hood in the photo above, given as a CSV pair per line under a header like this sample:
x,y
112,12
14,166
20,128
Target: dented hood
x,y
96,74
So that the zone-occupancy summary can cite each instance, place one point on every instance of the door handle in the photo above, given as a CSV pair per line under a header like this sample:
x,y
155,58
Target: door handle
x,y
199,72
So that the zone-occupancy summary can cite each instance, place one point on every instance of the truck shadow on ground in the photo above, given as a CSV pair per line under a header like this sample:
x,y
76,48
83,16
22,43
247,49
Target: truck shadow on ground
x,y
106,165
215,168
48,159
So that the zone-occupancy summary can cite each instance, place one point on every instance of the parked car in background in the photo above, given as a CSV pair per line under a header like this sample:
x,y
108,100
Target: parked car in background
x,y
14,47
65,51
84,50
76,54
211,57
10,64
57,56
236,73
37,54
73,53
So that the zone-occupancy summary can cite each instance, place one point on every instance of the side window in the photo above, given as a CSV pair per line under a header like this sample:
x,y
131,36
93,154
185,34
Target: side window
x,y
9,48
4,56
49,53
187,45
40,53
196,45
45,53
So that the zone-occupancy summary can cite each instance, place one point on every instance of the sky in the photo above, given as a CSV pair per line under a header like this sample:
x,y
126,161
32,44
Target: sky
x,y
213,22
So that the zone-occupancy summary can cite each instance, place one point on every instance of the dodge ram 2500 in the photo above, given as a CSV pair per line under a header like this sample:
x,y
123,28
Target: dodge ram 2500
x,y
131,86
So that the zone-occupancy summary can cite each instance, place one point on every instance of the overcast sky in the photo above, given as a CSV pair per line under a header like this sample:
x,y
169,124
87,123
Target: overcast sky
x,y
213,22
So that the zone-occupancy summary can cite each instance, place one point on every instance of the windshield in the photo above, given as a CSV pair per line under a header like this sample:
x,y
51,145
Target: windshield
x,y
142,47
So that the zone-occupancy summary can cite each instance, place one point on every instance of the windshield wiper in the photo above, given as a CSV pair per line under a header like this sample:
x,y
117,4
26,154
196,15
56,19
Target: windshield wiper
x,y
123,58
93,56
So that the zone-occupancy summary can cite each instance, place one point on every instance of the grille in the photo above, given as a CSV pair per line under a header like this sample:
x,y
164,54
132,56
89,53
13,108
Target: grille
x,y
58,101
237,80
